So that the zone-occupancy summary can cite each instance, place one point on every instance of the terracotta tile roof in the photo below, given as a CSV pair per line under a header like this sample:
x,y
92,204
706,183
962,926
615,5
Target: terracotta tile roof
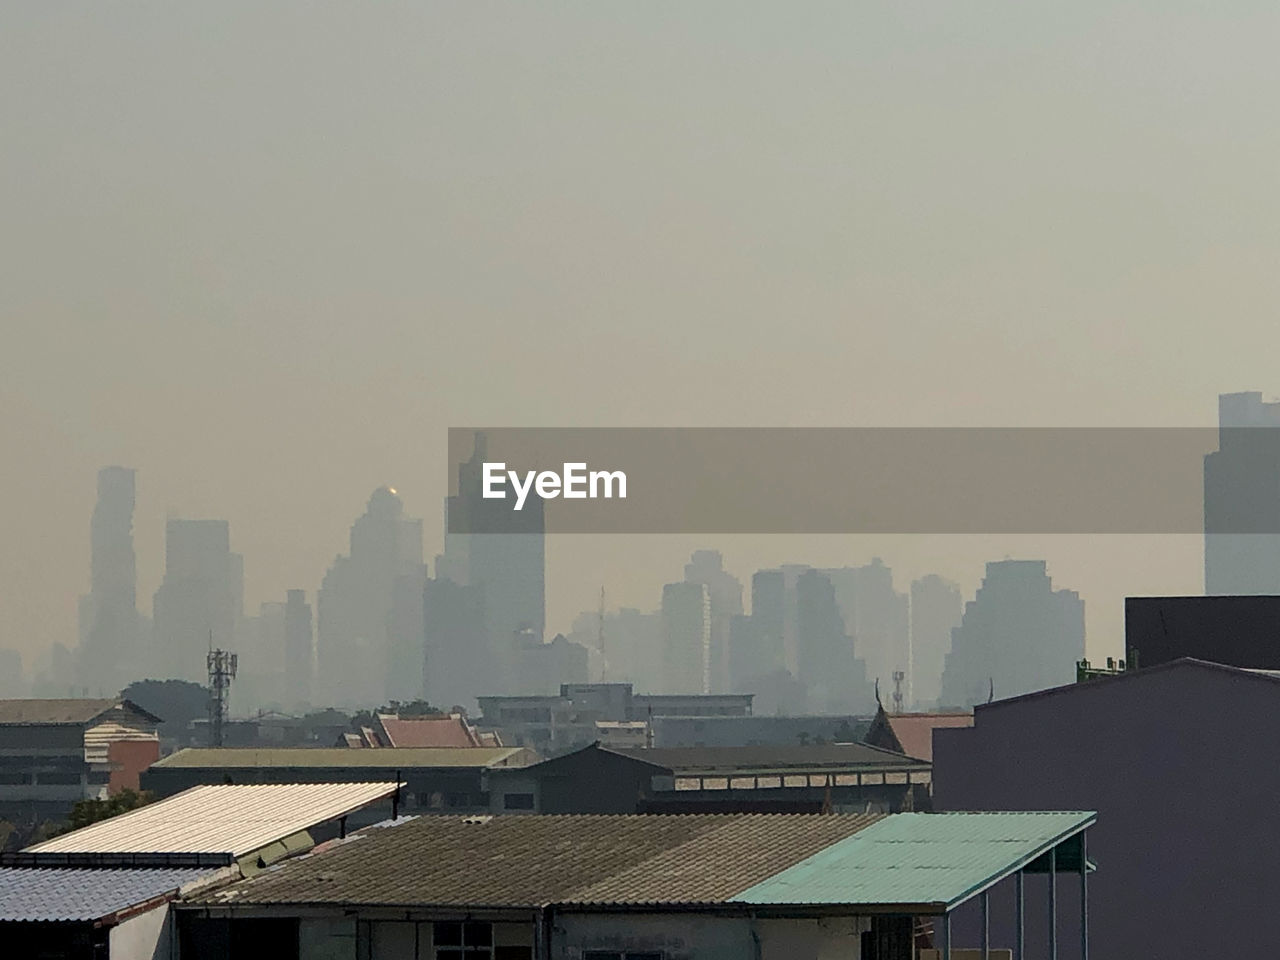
x,y
529,861
915,730
446,731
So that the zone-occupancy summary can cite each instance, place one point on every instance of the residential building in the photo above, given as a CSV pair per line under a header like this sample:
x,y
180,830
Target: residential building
x,y
54,753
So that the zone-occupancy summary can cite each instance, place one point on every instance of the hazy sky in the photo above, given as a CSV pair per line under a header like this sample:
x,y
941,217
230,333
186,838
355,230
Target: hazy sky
x,y
268,253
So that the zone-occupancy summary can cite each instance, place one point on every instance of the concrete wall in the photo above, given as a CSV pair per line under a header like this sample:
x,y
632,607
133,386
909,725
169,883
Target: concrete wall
x,y
692,937
148,936
1176,761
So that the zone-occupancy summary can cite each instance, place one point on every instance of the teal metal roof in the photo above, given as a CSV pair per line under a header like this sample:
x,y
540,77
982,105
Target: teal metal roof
x,y
934,859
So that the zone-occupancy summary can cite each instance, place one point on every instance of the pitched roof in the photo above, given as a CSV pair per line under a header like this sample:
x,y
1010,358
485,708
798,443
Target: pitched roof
x,y
70,712
338,758
442,731
933,861
914,731
231,820
525,861
65,894
774,757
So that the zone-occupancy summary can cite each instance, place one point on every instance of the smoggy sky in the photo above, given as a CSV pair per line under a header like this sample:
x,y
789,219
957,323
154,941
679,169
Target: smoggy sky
x,y
268,253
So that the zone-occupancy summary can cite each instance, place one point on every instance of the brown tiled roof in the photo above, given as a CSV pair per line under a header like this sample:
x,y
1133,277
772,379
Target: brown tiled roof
x,y
915,730
530,861
428,732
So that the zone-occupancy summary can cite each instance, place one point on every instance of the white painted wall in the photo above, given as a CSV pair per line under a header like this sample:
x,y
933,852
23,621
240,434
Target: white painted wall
x,y
148,936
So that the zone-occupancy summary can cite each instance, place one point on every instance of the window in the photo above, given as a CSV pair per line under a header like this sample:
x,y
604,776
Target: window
x,y
517,801
463,941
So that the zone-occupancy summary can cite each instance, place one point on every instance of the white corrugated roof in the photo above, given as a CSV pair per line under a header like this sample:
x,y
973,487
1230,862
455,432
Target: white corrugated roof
x,y
232,820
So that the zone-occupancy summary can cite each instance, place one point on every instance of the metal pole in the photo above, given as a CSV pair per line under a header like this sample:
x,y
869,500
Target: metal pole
x,y
945,953
986,926
1053,904
1084,898
1019,944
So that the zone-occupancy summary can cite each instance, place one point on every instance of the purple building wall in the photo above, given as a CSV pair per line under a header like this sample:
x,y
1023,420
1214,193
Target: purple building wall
x,y
1178,762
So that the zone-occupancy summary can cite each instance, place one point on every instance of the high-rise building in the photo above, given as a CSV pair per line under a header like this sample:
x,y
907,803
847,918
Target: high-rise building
x,y
1017,635
110,629
686,638
1242,494
936,609
299,649
355,601
198,603
725,592
757,643
406,636
877,618
828,665
460,663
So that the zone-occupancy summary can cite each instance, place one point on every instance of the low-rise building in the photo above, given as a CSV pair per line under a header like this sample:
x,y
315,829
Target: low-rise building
x,y
757,731
437,779
597,779
912,733
54,753
861,887
103,892
557,724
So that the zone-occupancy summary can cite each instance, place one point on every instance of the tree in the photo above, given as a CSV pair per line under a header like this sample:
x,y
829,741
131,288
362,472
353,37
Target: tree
x,y
86,812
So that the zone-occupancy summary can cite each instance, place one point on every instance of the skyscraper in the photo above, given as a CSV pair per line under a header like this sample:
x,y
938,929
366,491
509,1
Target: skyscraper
x,y
686,638
725,592
508,569
299,649
1242,493
825,653
936,609
1018,635
355,603
197,604
877,617
109,623
757,642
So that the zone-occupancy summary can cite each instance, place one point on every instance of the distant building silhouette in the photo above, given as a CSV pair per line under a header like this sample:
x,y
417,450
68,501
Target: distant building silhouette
x,y
508,567
110,628
1018,635
725,593
199,601
686,638
632,645
461,662
936,609
876,617
354,604
826,660
12,682
1242,493
299,649
757,643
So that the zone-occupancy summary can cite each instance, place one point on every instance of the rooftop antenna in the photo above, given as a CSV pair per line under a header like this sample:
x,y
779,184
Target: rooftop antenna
x,y
222,670
898,677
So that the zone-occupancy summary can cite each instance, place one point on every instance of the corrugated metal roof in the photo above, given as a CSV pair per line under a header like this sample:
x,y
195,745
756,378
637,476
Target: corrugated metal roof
x,y
53,894
63,712
388,758
918,858
761,859
529,861
234,820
